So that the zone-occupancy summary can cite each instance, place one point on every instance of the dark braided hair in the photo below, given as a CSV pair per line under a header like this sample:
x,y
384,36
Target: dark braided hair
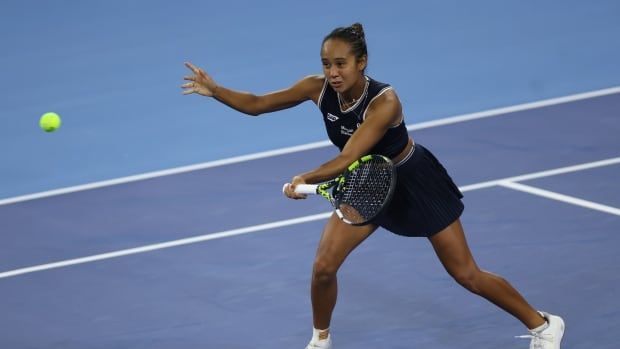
x,y
354,35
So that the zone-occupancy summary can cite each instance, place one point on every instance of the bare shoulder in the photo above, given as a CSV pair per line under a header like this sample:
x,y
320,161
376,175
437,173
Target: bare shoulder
x,y
316,80
312,85
387,99
387,106
389,95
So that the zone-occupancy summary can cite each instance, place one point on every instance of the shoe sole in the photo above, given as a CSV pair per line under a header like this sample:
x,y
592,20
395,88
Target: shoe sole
x,y
562,327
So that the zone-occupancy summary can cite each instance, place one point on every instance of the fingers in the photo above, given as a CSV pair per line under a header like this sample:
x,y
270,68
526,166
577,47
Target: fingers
x,y
295,195
201,83
195,70
188,88
191,67
289,190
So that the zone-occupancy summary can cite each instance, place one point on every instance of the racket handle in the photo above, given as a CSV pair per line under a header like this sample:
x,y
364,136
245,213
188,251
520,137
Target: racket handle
x,y
303,188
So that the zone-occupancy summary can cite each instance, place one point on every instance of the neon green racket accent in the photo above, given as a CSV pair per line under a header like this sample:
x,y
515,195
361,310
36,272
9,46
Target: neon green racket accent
x,y
322,190
341,182
354,165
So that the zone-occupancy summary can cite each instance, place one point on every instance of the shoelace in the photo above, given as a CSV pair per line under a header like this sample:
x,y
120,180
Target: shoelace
x,y
537,339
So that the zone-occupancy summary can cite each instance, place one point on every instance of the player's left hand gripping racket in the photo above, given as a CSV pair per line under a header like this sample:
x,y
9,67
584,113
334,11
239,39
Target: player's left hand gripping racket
x,y
361,192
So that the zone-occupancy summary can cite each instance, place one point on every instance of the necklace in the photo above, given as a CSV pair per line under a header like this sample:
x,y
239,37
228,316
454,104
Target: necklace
x,y
345,106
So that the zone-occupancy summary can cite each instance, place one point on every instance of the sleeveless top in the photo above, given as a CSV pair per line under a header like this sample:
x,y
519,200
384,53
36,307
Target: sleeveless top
x,y
341,124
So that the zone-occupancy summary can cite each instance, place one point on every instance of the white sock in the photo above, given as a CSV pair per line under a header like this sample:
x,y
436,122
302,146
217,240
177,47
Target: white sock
x,y
541,327
316,334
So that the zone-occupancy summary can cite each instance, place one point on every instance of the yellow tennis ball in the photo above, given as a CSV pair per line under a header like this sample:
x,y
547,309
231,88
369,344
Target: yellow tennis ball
x,y
49,122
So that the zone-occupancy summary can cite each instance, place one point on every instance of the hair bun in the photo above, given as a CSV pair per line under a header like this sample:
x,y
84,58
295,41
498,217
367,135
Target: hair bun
x,y
358,29
352,35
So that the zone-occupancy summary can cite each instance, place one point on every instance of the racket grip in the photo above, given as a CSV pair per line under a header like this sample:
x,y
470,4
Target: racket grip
x,y
303,188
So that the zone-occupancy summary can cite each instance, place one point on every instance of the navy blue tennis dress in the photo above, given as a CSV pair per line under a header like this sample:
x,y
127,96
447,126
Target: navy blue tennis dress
x,y
425,200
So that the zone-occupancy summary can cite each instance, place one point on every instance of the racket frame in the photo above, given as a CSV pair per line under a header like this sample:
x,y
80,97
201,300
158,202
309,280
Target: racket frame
x,y
342,180
337,184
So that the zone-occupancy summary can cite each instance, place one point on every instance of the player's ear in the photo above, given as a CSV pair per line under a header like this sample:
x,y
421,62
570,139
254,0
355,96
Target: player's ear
x,y
361,63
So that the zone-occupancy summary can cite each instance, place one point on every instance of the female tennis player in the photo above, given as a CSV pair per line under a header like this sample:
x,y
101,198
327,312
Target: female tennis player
x,y
364,116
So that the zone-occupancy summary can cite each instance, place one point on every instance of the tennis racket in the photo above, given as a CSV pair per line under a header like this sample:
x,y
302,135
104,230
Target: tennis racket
x,y
361,192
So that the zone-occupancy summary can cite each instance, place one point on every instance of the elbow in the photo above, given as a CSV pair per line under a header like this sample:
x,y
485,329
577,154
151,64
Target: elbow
x,y
254,107
256,112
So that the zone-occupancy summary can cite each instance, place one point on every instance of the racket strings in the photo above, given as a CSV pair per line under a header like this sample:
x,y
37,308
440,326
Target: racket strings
x,y
366,190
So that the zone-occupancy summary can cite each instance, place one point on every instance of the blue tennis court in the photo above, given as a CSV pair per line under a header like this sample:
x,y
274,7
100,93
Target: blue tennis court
x,y
156,220
163,264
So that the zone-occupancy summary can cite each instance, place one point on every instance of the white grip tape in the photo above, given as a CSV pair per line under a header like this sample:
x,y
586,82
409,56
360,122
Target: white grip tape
x,y
303,188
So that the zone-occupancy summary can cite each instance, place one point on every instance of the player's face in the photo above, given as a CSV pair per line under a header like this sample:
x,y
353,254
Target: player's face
x,y
341,68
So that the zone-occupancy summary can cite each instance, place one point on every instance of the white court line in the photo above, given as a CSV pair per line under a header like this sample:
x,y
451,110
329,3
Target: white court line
x,y
516,108
542,174
560,197
159,246
278,224
162,173
309,146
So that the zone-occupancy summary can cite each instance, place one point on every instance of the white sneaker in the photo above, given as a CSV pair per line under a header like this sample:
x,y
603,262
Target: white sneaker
x,y
550,337
320,344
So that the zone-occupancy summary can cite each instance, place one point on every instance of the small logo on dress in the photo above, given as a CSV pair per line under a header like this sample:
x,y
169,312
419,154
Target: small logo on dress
x,y
346,131
331,117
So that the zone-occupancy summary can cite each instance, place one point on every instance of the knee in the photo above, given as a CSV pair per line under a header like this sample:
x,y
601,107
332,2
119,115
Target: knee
x,y
468,278
323,272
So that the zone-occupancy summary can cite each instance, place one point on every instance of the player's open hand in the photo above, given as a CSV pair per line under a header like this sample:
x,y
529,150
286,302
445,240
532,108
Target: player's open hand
x,y
200,82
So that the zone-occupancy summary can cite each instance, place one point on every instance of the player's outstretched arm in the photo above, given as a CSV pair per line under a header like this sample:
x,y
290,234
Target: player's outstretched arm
x,y
202,83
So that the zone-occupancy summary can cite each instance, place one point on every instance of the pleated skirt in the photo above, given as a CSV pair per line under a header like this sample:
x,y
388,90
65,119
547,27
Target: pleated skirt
x,y
425,200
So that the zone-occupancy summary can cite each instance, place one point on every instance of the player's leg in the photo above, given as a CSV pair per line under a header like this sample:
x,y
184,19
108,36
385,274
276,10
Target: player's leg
x,y
546,330
452,249
337,241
